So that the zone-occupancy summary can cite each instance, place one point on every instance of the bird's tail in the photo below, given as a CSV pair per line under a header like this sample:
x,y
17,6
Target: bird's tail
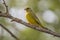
x,y
45,28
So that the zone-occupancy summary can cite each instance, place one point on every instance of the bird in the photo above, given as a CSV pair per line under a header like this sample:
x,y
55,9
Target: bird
x,y
33,19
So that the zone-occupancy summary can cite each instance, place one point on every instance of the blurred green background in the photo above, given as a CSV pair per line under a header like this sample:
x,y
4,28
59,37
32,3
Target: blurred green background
x,y
48,12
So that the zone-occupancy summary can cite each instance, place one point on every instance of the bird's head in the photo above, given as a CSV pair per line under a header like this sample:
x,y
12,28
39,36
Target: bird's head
x,y
27,9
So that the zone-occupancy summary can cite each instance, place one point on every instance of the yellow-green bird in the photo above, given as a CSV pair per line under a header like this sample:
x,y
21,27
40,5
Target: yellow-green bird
x,y
32,18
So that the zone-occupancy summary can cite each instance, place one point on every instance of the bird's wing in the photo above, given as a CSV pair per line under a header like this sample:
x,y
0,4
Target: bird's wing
x,y
35,17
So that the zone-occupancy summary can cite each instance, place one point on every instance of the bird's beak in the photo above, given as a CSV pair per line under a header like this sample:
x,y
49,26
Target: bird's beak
x,y
25,9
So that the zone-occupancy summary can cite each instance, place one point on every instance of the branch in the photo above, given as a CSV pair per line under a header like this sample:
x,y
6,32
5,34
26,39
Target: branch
x,y
27,24
30,25
9,32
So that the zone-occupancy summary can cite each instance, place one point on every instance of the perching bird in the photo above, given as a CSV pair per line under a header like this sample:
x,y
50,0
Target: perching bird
x,y
32,18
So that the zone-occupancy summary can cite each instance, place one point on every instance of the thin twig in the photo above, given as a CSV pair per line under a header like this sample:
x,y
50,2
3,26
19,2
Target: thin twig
x,y
7,11
9,32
